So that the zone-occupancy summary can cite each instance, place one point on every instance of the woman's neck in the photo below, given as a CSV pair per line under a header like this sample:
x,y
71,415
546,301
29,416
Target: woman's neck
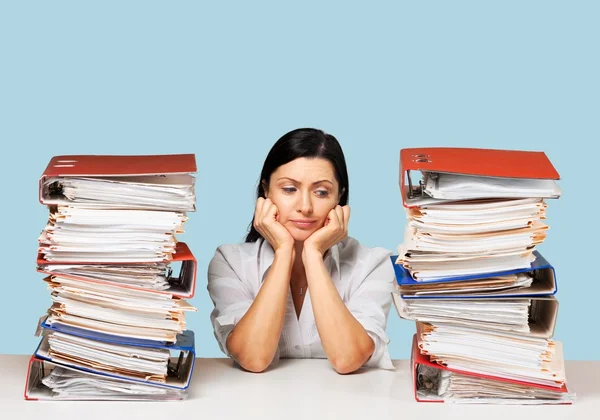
x,y
298,267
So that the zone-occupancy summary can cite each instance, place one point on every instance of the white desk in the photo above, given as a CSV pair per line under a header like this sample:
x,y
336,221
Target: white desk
x,y
295,389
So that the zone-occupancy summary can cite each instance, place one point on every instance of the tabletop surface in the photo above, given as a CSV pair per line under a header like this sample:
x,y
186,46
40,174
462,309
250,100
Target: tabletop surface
x,y
295,389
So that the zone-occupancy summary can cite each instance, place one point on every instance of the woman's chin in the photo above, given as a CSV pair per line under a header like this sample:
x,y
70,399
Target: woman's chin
x,y
300,235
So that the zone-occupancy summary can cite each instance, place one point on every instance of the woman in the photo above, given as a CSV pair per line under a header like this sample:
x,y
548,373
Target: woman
x,y
299,287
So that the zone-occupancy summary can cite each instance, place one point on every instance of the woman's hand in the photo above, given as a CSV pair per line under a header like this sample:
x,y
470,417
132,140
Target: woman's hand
x,y
334,231
267,224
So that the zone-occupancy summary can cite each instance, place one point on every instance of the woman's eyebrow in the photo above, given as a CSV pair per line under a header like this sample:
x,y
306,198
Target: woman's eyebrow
x,y
289,179
298,182
323,180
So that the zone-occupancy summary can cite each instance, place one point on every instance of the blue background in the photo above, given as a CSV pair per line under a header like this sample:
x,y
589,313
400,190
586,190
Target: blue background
x,y
225,80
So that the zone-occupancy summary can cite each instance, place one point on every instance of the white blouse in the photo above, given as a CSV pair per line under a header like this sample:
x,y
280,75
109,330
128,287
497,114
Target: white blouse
x,y
364,278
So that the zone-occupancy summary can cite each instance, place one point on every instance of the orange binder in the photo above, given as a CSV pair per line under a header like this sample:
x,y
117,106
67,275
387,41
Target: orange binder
x,y
115,166
416,359
471,161
186,280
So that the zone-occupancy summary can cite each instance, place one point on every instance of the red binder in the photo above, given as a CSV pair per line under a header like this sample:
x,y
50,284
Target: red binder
x,y
35,373
416,359
470,161
183,255
116,165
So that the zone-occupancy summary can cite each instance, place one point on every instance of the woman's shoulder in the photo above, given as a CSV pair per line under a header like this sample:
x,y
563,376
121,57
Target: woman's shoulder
x,y
352,252
233,259
237,251
358,262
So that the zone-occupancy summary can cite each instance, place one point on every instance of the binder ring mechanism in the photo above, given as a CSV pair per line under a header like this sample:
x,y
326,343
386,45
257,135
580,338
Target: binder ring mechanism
x,y
421,158
65,163
176,370
417,191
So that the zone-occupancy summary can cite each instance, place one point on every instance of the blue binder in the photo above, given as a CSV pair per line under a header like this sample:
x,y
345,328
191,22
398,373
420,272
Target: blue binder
x,y
178,377
541,270
185,340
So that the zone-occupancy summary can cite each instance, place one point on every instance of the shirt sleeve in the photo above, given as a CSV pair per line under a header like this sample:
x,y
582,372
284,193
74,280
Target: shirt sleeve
x,y
371,300
230,294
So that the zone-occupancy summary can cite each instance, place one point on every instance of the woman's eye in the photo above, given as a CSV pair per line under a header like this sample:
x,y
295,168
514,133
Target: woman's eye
x,y
288,190
322,193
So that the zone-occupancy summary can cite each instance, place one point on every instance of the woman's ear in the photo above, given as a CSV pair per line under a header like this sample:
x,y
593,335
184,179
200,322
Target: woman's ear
x,y
342,191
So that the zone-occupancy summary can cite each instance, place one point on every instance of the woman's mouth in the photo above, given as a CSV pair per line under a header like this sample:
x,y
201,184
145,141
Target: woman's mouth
x,y
303,223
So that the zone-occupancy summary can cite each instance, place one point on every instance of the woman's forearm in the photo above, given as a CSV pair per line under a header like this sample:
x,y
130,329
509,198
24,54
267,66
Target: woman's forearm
x,y
254,340
345,341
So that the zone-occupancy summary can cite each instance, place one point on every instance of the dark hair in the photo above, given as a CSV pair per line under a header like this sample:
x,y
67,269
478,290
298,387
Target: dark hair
x,y
299,143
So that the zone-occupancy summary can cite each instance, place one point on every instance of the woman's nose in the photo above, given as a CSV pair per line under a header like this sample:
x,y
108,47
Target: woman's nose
x,y
305,205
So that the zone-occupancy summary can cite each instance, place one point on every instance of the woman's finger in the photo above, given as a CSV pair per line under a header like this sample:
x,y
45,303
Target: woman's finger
x,y
346,210
266,209
259,205
335,217
340,213
271,212
258,210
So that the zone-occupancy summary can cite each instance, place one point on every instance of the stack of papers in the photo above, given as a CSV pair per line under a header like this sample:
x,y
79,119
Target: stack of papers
x,y
489,314
118,279
117,311
96,235
449,186
453,387
472,237
471,278
135,362
154,276
510,356
162,192
70,384
499,284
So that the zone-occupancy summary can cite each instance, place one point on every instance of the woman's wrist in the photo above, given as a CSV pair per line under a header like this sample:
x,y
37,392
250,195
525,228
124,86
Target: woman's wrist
x,y
285,253
311,254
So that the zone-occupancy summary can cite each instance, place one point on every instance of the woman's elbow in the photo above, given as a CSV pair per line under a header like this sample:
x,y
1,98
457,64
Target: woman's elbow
x,y
250,359
346,365
351,362
255,365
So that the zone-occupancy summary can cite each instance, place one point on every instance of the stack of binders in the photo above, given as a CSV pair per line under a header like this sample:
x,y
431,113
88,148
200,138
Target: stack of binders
x,y
118,278
470,276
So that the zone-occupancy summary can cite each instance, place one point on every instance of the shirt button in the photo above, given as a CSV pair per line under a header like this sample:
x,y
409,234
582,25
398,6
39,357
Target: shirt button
x,y
297,347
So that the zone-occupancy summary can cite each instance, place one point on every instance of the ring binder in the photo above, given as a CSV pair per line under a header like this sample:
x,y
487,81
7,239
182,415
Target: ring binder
x,y
181,372
544,274
182,286
426,394
470,161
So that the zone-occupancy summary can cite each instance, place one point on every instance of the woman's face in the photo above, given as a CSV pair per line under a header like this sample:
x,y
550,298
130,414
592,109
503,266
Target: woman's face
x,y
304,191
